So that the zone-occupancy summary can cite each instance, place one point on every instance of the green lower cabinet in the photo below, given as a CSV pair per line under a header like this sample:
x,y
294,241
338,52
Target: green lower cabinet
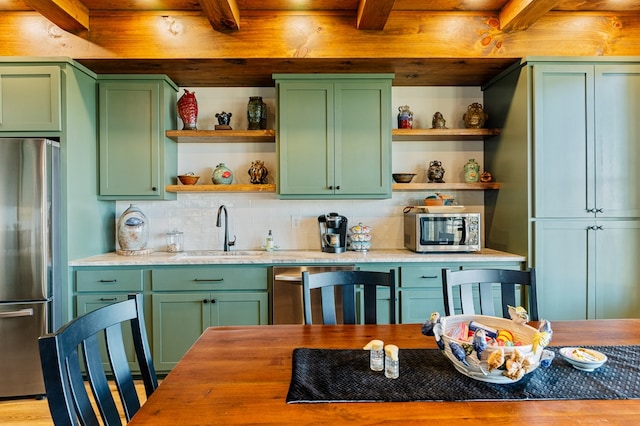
x,y
180,318
90,302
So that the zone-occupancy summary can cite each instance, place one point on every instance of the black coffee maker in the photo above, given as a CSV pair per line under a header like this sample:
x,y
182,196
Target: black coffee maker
x,y
333,232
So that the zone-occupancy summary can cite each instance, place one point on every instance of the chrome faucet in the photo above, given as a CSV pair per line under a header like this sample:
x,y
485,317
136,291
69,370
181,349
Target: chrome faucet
x,y
227,243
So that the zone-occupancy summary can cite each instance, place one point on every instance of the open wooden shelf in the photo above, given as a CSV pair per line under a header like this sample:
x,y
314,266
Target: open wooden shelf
x,y
441,134
248,187
221,136
479,186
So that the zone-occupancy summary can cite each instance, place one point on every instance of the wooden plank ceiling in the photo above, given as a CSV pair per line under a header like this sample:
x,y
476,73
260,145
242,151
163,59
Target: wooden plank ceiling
x,y
455,42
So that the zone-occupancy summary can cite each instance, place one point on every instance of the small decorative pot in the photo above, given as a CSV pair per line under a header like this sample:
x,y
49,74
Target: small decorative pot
x,y
438,121
435,172
133,229
188,110
471,171
258,172
222,175
257,113
405,117
475,116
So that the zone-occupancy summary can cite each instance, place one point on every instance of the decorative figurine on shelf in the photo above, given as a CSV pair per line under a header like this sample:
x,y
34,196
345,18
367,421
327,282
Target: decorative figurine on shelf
x,y
257,113
435,172
471,171
438,121
405,117
222,175
258,172
475,116
224,118
486,177
188,110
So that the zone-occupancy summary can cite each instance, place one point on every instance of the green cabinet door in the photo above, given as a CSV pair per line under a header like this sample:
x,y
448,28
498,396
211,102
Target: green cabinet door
x,y
617,155
334,136
180,318
30,98
564,141
137,160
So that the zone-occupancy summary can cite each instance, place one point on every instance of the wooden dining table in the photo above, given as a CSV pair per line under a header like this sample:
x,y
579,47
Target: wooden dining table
x,y
241,375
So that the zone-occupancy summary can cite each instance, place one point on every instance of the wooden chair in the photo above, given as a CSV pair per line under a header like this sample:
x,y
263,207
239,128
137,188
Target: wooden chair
x,y
347,281
479,282
61,356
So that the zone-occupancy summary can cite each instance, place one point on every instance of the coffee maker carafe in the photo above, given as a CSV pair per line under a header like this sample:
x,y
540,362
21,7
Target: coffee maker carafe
x,y
333,232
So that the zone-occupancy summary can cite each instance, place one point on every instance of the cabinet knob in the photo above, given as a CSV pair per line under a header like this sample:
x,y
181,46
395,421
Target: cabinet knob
x,y
599,210
330,186
213,300
153,188
338,188
205,301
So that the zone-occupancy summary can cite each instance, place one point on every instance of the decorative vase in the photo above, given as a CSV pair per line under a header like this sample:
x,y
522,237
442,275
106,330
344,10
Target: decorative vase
x,y
435,172
258,172
133,229
224,118
188,110
438,121
471,171
222,175
405,117
257,113
475,116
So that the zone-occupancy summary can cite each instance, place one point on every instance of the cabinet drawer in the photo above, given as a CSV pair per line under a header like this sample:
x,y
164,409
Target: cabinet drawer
x,y
423,276
209,278
109,280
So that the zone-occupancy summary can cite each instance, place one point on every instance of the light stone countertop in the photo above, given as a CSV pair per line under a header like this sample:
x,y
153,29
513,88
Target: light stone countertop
x,y
302,257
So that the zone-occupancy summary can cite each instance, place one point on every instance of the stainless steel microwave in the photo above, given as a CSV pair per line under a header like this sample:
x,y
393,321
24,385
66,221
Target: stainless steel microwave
x,y
442,232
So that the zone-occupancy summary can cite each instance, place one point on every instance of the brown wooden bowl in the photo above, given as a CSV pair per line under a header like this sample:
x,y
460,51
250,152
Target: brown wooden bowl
x,y
403,177
188,179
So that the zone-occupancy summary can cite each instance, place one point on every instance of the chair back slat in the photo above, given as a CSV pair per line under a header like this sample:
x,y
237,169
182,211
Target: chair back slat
x,y
347,281
68,399
481,282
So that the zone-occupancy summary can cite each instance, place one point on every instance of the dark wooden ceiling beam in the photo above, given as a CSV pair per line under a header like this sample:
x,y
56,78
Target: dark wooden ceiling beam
x,y
373,14
519,15
70,15
223,15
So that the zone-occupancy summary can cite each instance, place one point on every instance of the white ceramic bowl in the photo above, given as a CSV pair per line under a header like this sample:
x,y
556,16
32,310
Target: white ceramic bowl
x,y
583,359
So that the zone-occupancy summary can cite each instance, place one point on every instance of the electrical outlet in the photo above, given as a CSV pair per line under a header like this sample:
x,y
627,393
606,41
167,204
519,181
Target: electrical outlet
x,y
295,221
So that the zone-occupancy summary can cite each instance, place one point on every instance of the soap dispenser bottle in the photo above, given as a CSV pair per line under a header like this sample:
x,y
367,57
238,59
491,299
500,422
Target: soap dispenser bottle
x,y
269,246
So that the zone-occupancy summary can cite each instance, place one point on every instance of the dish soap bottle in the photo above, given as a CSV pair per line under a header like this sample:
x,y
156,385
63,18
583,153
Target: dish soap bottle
x,y
269,246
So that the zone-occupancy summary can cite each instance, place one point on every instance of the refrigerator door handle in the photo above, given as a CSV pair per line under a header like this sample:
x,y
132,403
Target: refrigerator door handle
x,y
19,313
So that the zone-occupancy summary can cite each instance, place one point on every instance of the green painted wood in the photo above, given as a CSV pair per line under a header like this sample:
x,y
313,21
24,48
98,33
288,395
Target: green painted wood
x,y
342,133
137,161
180,318
227,277
305,138
564,145
30,98
617,288
107,280
617,151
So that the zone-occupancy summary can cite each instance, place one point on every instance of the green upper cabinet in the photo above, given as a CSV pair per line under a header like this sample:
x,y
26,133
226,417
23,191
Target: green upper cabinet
x,y
584,123
137,160
334,135
30,98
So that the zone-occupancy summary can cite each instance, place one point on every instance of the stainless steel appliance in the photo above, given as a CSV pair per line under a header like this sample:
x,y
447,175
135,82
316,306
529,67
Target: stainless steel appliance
x,y
442,232
286,303
333,232
30,259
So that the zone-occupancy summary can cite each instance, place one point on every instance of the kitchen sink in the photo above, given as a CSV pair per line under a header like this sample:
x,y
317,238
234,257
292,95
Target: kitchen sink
x,y
217,254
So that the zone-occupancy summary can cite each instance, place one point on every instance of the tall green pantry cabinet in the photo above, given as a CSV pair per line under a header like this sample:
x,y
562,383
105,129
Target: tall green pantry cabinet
x,y
568,157
334,135
137,160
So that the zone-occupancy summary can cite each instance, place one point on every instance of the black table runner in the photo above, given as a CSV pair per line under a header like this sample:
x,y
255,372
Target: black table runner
x,y
337,375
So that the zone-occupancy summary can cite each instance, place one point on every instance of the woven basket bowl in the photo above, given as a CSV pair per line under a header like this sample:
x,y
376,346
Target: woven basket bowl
x,y
476,370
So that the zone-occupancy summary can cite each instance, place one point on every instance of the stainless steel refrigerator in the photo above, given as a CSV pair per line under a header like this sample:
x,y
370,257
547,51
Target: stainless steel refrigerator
x,y
30,269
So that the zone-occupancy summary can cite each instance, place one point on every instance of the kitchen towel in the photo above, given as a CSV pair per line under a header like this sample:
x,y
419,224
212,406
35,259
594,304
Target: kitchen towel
x,y
337,375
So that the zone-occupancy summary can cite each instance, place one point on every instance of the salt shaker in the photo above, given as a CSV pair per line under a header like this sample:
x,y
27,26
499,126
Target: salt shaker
x,y
391,362
175,241
376,354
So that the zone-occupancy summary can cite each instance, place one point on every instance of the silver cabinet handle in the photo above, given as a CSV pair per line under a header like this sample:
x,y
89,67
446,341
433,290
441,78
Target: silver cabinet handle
x,y
21,313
